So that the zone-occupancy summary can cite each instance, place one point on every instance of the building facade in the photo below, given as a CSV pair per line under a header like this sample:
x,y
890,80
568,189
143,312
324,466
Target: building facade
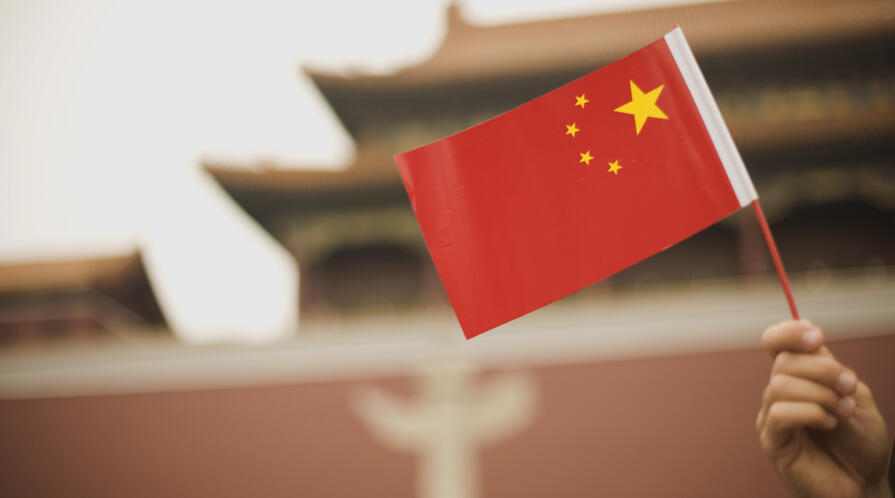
x,y
807,89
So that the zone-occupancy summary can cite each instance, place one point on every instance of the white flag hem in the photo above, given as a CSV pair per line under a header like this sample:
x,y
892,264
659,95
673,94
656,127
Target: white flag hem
x,y
711,116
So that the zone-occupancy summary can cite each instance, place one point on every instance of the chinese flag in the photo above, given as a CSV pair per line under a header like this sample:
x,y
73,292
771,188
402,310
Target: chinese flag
x,y
575,185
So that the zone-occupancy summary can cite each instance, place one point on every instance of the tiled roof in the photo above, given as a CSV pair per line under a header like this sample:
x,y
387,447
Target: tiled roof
x,y
480,52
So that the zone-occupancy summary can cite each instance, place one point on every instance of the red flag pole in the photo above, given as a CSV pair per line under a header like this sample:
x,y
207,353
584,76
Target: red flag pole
x,y
778,263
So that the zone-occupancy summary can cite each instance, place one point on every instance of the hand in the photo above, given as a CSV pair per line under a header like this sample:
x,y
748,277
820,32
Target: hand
x,y
818,423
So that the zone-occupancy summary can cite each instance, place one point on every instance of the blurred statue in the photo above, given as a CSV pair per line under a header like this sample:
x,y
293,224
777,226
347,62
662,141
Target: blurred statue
x,y
448,422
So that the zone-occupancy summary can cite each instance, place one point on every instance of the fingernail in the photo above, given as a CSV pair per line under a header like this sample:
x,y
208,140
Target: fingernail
x,y
811,338
846,383
846,406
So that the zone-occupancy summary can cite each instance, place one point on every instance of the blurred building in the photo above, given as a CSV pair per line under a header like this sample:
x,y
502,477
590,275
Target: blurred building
x,y
78,301
644,385
807,89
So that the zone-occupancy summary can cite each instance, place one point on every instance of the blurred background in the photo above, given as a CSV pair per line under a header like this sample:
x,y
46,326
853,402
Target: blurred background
x,y
212,284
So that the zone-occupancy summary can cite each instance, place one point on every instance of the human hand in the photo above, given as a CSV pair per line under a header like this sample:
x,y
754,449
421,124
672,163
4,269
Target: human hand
x,y
818,422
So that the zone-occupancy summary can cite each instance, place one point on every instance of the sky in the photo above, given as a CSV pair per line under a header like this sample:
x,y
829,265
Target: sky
x,y
109,108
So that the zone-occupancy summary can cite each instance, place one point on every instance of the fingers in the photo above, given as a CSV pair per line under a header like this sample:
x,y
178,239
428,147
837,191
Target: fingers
x,y
823,370
784,417
799,336
808,386
787,388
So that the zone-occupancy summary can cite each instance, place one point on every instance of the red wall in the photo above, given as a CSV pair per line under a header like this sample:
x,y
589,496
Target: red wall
x,y
670,426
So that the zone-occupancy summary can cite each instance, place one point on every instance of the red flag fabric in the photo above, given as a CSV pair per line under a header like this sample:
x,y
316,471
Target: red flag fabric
x,y
575,185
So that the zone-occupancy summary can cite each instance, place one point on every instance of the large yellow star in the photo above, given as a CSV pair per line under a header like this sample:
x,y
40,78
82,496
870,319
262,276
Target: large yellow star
x,y
580,100
572,129
614,166
643,106
585,158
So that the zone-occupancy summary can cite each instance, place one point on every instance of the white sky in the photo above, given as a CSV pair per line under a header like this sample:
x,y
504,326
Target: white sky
x,y
106,108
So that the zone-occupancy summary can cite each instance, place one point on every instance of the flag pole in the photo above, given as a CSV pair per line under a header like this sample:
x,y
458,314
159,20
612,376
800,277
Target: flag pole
x,y
775,256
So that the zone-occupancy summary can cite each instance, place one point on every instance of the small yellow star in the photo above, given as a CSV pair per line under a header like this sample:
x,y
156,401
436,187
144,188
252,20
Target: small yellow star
x,y
585,157
580,100
614,166
643,106
572,129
